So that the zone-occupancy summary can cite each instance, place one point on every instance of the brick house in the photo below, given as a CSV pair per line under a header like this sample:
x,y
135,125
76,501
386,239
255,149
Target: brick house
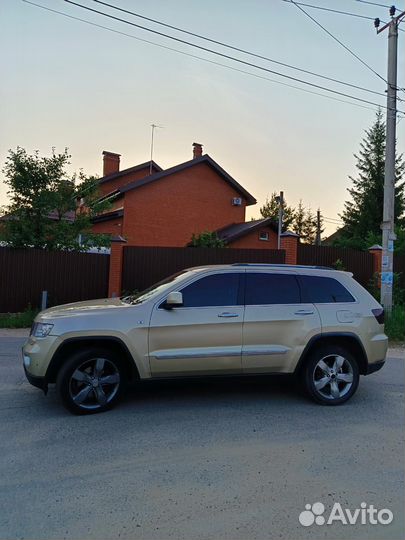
x,y
156,207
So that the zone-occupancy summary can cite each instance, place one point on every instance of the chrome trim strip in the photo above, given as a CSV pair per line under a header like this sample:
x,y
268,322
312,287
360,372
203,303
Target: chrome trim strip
x,y
184,353
264,350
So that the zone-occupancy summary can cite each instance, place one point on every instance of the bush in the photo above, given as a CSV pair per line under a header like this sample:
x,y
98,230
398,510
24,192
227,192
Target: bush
x,y
395,323
18,320
398,294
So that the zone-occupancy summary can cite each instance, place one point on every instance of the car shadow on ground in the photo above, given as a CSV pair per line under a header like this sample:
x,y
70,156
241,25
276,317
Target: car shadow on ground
x,y
213,389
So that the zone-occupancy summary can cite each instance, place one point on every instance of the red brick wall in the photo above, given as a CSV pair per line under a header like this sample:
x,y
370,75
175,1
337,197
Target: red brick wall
x,y
113,227
251,240
115,277
168,211
111,185
290,245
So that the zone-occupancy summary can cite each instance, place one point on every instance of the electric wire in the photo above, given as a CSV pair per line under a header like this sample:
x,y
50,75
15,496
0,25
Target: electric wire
x,y
339,12
337,41
238,49
244,62
202,58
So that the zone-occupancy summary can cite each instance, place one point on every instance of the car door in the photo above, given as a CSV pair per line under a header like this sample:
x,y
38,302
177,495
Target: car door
x,y
204,336
277,326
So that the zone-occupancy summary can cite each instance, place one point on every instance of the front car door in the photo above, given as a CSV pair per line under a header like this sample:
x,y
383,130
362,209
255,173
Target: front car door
x,y
277,326
204,336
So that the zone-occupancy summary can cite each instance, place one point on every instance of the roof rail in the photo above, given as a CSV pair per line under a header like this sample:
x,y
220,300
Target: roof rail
x,y
272,265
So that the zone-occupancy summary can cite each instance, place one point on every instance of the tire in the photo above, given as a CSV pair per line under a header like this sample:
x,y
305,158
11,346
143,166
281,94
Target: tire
x,y
331,375
91,381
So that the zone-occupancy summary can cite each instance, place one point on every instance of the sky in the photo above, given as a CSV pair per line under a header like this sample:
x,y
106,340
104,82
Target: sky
x,y
69,84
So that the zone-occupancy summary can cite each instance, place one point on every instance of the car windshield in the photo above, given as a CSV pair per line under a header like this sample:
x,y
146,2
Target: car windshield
x,y
155,289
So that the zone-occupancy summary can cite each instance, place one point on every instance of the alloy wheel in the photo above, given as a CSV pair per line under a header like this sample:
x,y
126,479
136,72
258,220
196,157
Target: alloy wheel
x,y
333,376
94,383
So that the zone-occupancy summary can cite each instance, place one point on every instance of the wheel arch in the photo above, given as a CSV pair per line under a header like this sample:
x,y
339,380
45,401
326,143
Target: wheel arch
x,y
345,339
75,344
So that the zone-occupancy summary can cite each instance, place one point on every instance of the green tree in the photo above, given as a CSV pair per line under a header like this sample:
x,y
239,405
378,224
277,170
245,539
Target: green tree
x,y
309,227
362,214
299,219
270,210
48,209
207,239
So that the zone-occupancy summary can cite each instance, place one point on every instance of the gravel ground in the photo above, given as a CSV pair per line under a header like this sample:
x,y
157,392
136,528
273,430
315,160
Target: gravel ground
x,y
214,459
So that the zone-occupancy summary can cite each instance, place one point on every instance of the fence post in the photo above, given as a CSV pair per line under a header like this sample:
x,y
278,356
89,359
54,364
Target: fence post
x,y
376,252
289,242
44,300
116,258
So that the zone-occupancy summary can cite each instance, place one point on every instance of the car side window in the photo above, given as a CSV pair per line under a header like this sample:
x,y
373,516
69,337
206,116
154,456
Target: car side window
x,y
214,290
323,290
274,288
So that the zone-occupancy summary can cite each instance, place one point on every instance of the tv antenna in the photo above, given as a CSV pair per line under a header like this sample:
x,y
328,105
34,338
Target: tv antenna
x,y
153,126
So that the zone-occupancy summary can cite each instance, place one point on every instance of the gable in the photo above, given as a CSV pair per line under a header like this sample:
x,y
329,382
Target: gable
x,y
190,166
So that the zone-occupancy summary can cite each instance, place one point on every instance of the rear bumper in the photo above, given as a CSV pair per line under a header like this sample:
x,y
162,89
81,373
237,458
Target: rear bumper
x,y
375,366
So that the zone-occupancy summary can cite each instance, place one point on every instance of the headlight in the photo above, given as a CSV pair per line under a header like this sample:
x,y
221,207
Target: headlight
x,y
41,329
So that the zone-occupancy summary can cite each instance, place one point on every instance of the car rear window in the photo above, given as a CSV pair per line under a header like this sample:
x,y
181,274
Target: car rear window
x,y
271,289
323,290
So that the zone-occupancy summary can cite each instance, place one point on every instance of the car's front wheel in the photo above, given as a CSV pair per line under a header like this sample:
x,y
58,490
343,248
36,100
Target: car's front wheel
x,y
331,375
91,381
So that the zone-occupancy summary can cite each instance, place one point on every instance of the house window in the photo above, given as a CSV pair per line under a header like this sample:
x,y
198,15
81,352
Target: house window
x,y
264,235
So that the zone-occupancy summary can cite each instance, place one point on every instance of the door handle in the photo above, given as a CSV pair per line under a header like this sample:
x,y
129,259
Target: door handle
x,y
303,312
227,315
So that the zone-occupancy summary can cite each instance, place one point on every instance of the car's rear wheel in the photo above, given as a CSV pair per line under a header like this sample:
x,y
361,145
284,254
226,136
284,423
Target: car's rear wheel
x,y
91,381
331,375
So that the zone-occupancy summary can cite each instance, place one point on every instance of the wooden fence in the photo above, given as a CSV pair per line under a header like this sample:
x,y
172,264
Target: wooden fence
x,y
67,276
360,263
144,266
399,267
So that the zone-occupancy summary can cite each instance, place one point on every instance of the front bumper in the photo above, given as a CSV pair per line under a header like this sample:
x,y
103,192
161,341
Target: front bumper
x,y
38,382
375,366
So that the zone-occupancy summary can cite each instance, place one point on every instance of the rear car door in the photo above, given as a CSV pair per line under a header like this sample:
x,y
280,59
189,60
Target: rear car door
x,y
204,336
277,325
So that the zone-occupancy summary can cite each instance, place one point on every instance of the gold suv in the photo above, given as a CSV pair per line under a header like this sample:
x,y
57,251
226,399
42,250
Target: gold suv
x,y
316,323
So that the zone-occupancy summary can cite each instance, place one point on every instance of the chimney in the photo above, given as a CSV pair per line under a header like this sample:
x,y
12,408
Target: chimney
x,y
111,163
197,150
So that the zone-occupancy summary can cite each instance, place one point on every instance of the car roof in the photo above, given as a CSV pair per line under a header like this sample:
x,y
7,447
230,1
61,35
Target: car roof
x,y
316,270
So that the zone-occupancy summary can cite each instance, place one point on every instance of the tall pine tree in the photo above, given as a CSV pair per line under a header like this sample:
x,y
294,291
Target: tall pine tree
x,y
362,214
270,210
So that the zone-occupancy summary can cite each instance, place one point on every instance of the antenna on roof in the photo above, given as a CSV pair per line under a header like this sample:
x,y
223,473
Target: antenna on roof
x,y
153,126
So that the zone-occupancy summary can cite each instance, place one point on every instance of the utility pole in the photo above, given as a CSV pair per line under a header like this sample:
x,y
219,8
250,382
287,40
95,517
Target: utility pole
x,y
387,225
318,228
280,200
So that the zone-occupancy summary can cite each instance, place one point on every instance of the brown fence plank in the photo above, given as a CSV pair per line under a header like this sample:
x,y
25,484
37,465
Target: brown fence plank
x,y
144,266
67,276
360,263
399,267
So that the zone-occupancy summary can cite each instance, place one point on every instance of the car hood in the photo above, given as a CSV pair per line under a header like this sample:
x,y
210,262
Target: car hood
x,y
81,308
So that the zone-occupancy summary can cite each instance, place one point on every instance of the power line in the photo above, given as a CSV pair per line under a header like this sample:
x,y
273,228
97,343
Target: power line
x,y
197,57
244,62
373,3
337,41
238,49
322,8
338,12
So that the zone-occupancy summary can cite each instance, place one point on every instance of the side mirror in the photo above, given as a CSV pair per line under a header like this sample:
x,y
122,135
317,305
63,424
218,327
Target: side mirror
x,y
174,299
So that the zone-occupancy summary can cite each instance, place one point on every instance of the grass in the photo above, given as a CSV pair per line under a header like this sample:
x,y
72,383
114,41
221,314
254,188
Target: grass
x,y
18,320
395,323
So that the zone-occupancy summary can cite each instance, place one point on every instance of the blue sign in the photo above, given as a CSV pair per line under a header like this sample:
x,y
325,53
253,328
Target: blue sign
x,y
387,278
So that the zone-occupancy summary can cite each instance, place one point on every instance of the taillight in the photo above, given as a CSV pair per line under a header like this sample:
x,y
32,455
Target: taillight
x,y
379,315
